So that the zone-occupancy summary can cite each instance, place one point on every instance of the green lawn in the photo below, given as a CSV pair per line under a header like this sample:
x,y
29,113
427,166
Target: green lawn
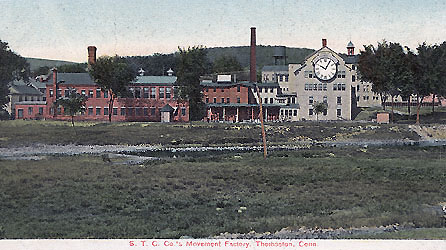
x,y
85,197
19,133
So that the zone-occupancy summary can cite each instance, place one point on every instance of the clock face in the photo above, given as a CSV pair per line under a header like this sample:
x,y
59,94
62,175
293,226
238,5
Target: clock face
x,y
325,69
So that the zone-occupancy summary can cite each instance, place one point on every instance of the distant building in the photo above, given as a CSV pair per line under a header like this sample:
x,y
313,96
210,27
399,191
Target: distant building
x,y
148,95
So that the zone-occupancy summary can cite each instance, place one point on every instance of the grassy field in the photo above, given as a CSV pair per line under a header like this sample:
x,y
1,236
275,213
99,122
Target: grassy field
x,y
401,115
85,197
19,133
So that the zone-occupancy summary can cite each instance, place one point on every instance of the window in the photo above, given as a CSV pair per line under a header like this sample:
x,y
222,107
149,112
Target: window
x,y
353,67
339,100
286,78
310,112
83,92
20,113
343,86
310,100
335,86
30,111
59,93
319,87
51,93
286,112
137,92
40,111
98,93
105,94
161,92
353,78
281,78
59,110
325,100
338,112
168,96
222,100
146,111
306,86
138,111
324,112
90,110
238,88
266,100
152,111
227,100
293,100
294,112
238,99
153,92
324,86
183,111
20,98
206,89
115,111
215,89
105,111
260,90
207,99
90,94
357,88
123,111
146,92
281,112
271,90
98,111
363,98
271,100
131,111
67,93
222,90
215,100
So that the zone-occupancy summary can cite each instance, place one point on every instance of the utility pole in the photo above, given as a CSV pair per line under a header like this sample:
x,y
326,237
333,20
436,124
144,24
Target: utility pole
x,y
261,123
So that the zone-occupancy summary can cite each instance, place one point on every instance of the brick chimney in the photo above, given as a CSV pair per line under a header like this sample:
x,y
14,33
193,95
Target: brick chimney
x,y
91,55
324,42
252,63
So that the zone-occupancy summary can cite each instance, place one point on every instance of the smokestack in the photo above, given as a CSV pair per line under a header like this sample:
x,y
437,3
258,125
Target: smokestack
x,y
252,71
55,83
324,42
91,55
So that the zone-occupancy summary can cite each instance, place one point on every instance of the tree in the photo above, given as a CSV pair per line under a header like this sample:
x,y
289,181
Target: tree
x,y
12,67
371,70
72,68
319,108
72,105
112,74
227,64
192,64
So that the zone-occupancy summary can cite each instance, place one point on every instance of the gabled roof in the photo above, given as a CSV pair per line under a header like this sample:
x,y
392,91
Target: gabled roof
x,y
24,90
166,108
350,59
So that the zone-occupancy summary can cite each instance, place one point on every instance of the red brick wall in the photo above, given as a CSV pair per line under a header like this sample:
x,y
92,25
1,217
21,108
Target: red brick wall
x,y
228,92
29,111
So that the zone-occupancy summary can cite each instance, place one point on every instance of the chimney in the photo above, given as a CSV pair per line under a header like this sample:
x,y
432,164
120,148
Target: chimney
x,y
55,83
91,55
252,71
324,42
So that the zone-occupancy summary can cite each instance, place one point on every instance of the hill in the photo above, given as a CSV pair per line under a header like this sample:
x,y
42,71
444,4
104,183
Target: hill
x,y
264,54
36,63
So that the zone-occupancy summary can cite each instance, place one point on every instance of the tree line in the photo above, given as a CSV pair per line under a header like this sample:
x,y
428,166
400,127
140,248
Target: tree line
x,y
396,70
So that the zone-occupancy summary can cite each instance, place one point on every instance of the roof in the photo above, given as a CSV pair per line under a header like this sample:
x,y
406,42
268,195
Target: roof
x,y
268,84
350,45
156,79
275,68
75,78
166,108
225,84
24,90
350,59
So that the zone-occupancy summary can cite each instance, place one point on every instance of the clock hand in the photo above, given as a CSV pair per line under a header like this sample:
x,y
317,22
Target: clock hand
x,y
327,65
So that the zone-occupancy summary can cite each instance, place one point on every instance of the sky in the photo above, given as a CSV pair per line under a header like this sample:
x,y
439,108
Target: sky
x,y
63,29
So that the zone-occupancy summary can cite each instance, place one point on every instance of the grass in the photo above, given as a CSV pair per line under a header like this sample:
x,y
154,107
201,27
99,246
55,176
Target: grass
x,y
85,197
412,234
20,133
402,116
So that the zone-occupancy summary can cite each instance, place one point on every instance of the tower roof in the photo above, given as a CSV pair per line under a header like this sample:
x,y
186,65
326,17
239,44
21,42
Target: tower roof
x,y
350,45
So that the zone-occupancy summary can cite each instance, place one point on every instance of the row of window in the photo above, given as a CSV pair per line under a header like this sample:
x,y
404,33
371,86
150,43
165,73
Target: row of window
x,y
265,90
123,111
164,93
287,112
338,112
323,87
31,111
228,100
276,77
221,90
310,74
31,98
324,100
